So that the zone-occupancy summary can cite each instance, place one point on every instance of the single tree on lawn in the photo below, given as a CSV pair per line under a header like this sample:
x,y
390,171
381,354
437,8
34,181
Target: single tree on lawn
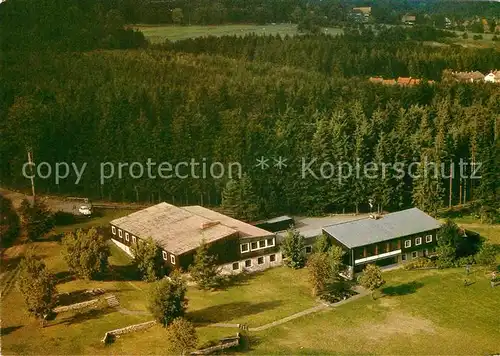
x,y
204,269
167,298
292,248
37,286
324,269
320,272
86,253
36,218
149,260
371,278
181,336
487,255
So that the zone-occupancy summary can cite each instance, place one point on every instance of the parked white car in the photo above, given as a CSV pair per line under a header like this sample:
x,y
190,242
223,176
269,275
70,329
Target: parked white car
x,y
85,210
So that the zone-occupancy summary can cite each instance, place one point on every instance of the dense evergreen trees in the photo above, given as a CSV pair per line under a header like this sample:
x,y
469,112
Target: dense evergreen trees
x,y
131,106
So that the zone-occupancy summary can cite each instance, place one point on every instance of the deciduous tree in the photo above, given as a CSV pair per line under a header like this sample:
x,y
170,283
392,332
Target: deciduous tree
x,y
371,278
36,218
181,335
149,260
167,298
86,253
37,285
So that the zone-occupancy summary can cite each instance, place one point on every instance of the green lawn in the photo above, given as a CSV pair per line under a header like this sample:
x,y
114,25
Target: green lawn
x,y
158,34
433,314
102,217
422,312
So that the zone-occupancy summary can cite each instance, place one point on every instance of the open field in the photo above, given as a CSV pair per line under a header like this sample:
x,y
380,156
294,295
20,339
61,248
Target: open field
x,y
426,312
417,312
158,34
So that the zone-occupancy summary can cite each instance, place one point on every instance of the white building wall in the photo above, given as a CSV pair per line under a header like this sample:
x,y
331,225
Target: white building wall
x,y
123,247
227,268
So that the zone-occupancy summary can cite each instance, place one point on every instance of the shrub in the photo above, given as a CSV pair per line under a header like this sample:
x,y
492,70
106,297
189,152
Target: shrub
x,y
421,262
181,336
464,261
63,218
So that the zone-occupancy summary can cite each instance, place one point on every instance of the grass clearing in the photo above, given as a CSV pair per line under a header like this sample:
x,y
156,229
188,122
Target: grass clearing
x,y
160,33
438,316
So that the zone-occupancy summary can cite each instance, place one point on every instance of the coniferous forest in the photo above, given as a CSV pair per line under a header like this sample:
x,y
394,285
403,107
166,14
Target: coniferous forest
x,y
234,99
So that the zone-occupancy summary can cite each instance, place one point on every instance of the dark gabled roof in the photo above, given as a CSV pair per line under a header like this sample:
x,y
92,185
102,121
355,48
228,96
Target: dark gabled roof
x,y
366,231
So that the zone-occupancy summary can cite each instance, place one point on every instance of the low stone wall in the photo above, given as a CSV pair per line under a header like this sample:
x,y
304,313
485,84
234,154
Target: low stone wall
x,y
224,344
76,306
128,329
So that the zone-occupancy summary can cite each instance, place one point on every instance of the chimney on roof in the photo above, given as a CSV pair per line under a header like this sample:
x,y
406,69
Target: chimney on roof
x,y
209,224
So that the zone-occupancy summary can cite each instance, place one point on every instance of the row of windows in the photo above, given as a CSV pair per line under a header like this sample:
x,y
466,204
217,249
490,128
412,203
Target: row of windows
x,y
134,239
120,234
248,263
418,241
172,257
257,245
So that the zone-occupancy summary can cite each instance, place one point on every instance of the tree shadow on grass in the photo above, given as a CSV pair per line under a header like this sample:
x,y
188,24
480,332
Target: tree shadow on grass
x,y
402,289
9,329
121,273
79,296
239,279
84,315
64,276
230,311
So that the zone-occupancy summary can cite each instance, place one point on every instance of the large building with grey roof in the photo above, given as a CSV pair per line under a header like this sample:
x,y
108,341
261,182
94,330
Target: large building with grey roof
x,y
179,231
384,240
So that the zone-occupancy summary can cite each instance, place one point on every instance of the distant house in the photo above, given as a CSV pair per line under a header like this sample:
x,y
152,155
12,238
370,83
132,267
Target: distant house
x,y
404,81
389,82
178,231
393,238
408,81
470,77
493,77
361,14
408,19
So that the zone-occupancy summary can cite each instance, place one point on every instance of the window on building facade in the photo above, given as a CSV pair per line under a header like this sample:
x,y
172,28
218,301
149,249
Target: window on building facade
x,y
254,245
272,258
414,254
270,242
127,236
407,243
428,238
113,230
236,266
403,257
133,239
418,241
172,259
120,232
309,249
260,260
248,263
262,244
165,256
244,248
